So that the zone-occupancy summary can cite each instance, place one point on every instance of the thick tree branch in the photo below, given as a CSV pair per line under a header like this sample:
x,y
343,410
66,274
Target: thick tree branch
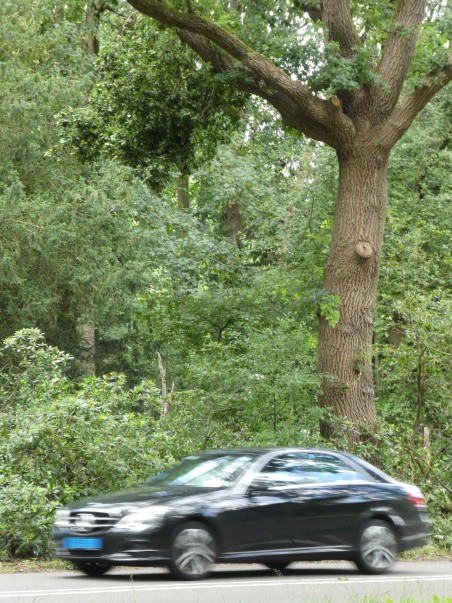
x,y
399,49
258,64
288,109
405,112
340,27
201,45
315,110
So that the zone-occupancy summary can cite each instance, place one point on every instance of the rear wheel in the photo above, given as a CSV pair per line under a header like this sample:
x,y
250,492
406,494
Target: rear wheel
x,y
92,568
377,547
193,552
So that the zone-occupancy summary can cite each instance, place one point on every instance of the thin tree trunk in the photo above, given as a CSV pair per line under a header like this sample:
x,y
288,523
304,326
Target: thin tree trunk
x,y
87,349
94,9
234,222
183,199
351,272
167,398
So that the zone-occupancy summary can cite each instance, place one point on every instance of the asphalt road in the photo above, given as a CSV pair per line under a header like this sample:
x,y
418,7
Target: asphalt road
x,y
302,583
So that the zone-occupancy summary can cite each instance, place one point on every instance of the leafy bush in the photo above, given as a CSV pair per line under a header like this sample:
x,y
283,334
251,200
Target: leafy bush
x,y
60,442
26,517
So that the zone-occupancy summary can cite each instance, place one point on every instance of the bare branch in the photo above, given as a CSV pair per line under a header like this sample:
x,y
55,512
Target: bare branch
x,y
274,80
337,19
405,112
399,49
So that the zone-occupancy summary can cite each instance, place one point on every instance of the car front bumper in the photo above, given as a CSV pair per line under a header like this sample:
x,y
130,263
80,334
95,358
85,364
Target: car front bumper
x,y
115,547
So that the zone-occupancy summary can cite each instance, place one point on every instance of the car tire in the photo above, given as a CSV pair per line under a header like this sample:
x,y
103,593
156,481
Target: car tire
x,y
377,547
92,568
193,551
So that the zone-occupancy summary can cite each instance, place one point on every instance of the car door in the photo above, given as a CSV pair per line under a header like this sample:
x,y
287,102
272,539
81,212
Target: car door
x,y
327,502
258,519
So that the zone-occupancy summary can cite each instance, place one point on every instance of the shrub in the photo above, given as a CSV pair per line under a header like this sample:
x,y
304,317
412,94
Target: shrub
x,y
60,442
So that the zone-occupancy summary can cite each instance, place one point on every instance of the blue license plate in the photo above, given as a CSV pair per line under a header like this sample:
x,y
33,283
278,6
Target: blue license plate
x,y
87,544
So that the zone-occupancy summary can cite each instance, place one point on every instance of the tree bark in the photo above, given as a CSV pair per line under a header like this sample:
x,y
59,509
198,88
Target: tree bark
x,y
234,222
182,185
351,272
86,361
93,11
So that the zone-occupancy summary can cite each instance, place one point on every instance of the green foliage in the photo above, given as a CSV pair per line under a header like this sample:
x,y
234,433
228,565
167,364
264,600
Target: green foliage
x,y
60,443
26,362
414,392
43,70
74,253
154,107
338,74
26,518
263,380
413,342
71,240
329,308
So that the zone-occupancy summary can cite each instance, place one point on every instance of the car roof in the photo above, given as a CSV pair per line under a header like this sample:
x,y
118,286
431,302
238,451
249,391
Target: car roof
x,y
259,451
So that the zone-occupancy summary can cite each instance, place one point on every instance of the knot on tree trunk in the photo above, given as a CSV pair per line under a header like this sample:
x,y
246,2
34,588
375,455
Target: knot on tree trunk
x,y
364,249
335,102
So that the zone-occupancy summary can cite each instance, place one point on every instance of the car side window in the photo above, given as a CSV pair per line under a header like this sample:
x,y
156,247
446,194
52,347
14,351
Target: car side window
x,y
309,468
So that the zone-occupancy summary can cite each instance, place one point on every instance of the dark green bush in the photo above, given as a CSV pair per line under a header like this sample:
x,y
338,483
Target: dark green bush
x,y
60,442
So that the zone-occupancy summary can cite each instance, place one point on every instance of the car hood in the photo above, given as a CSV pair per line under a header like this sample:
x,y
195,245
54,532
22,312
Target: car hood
x,y
128,501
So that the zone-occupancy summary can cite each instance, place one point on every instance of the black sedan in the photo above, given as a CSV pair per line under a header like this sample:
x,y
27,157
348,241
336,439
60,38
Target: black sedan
x,y
271,506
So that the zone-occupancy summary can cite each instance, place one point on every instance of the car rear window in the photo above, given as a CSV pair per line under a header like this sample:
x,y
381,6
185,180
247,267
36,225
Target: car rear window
x,y
300,468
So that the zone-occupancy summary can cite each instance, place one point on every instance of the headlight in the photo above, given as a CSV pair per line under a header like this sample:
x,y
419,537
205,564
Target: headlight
x,y
147,519
62,518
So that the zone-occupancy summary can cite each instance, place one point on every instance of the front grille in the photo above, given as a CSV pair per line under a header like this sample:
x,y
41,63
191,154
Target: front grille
x,y
85,521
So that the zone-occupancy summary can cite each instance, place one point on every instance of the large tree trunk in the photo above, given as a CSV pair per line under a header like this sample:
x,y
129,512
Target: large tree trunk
x,y
351,272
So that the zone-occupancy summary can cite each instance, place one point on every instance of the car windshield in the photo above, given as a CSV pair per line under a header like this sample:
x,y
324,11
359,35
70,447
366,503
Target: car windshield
x,y
206,471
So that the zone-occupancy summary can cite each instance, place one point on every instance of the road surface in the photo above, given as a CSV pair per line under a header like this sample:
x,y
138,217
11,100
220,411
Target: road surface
x,y
302,583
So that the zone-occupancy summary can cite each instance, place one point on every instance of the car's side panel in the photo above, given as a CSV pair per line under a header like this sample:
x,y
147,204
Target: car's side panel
x,y
325,515
252,521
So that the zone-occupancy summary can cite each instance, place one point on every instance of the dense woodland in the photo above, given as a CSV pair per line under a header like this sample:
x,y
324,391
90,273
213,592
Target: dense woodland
x,y
164,234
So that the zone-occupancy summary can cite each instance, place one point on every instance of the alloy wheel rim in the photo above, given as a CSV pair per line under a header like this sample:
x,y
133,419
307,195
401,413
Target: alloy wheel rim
x,y
194,551
378,547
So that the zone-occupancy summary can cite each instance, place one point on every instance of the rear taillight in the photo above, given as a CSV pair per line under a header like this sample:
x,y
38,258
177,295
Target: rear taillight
x,y
417,498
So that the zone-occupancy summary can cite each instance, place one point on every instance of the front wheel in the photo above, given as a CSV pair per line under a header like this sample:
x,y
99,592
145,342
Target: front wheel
x,y
193,552
377,547
92,568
